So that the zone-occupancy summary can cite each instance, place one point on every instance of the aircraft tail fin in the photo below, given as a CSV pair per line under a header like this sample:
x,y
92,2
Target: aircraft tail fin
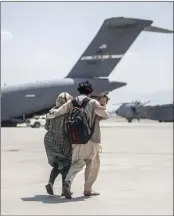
x,y
109,46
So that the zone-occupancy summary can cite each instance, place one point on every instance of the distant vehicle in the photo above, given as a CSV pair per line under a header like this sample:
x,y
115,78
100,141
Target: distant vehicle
x,y
109,46
132,110
36,121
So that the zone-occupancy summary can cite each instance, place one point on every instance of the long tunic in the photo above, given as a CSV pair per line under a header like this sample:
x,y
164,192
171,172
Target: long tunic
x,y
57,145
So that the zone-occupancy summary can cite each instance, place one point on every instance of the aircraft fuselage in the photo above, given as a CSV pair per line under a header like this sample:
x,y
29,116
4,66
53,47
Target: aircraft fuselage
x,y
30,98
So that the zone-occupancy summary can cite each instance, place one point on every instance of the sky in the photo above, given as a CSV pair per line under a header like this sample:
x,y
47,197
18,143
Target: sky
x,y
43,40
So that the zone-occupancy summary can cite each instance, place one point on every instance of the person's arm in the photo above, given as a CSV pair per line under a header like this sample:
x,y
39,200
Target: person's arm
x,y
101,111
65,108
104,118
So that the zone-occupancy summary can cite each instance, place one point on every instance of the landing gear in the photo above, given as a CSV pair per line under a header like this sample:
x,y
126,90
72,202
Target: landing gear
x,y
8,124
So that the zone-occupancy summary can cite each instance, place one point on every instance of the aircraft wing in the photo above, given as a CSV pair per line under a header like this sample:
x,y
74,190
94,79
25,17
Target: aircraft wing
x,y
109,45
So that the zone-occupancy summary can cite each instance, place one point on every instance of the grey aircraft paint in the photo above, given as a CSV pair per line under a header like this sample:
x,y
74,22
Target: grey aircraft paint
x,y
131,111
102,55
161,113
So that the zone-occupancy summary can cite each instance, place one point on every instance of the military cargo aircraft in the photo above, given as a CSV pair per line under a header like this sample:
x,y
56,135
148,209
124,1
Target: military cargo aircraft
x,y
132,110
97,62
137,110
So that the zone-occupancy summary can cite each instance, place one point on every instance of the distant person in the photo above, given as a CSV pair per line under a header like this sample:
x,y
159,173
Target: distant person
x,y
135,113
57,145
83,154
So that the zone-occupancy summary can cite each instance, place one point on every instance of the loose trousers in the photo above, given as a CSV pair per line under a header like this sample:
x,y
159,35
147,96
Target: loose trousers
x,y
86,154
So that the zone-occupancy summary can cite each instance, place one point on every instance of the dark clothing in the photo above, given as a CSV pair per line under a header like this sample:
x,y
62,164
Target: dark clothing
x,y
57,146
55,172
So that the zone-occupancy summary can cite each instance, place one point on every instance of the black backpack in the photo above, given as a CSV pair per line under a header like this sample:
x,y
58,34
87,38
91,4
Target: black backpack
x,y
79,130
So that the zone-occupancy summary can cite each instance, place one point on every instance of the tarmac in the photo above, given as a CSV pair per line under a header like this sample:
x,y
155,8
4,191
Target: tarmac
x,y
136,175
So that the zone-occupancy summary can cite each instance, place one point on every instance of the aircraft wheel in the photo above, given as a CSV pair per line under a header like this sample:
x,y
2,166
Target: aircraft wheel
x,y
129,120
37,125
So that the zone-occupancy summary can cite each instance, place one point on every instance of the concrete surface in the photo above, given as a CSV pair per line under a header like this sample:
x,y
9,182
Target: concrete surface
x,y
136,176
111,119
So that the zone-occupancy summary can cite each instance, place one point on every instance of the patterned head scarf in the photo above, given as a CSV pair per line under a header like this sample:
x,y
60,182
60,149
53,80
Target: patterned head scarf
x,y
62,99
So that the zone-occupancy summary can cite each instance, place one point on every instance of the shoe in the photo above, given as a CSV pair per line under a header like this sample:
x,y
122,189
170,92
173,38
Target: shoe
x,y
49,189
91,193
66,190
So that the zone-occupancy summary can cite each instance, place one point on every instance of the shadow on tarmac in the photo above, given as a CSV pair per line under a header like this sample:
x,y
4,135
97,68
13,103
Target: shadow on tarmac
x,y
53,199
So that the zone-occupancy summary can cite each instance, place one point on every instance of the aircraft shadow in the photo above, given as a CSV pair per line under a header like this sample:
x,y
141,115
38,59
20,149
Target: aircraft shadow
x,y
53,199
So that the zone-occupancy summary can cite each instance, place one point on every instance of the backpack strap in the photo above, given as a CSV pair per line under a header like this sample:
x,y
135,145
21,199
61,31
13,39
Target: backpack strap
x,y
85,102
93,127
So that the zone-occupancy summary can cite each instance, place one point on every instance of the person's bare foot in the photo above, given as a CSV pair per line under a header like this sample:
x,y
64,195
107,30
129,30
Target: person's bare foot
x,y
91,193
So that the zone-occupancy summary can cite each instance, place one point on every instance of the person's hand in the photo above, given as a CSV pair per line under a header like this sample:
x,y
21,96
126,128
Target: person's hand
x,y
104,105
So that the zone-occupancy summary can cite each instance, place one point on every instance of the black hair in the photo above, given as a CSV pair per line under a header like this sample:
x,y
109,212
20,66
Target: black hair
x,y
85,88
